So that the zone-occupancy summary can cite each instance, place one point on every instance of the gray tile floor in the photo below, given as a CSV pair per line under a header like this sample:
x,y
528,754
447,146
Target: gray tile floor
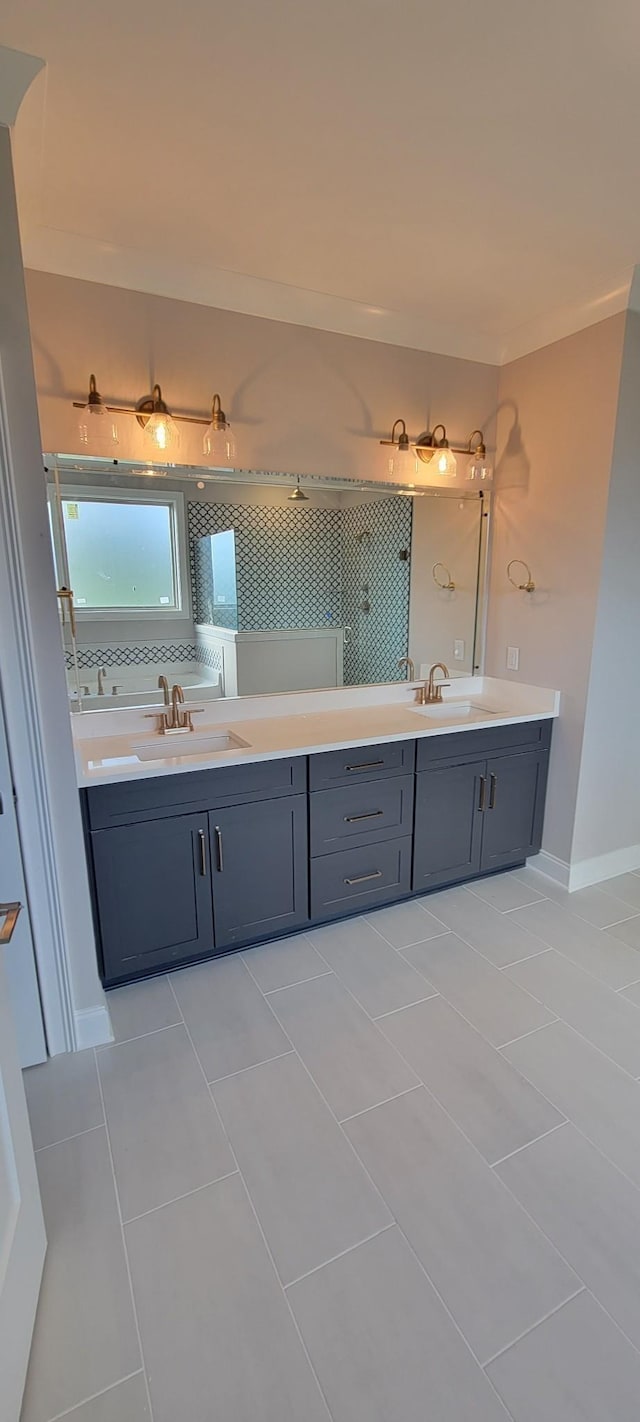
x,y
384,1171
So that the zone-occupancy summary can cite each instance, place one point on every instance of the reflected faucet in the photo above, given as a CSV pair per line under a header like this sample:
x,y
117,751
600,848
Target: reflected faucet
x,y
102,676
164,687
409,663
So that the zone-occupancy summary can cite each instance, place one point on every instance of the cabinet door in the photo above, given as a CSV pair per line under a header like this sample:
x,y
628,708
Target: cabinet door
x,y
260,870
153,895
448,825
512,823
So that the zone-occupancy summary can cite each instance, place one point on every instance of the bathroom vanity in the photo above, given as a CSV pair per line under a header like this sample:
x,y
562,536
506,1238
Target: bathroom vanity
x,y
199,852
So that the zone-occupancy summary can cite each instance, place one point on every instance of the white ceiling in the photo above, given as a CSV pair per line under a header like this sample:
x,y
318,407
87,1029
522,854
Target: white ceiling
x,y
447,174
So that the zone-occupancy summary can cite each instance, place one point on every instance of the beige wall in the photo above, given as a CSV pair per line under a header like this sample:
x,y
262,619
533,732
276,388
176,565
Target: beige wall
x,y
301,400
608,808
557,413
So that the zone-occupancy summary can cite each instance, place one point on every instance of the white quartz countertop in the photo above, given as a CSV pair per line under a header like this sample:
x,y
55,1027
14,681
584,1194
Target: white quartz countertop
x,y
108,744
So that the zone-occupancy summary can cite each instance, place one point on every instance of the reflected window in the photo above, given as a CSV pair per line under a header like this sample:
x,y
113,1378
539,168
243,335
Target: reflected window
x,y
123,554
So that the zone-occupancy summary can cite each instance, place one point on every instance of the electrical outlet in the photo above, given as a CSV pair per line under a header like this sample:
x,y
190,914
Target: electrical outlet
x,y
513,658
458,650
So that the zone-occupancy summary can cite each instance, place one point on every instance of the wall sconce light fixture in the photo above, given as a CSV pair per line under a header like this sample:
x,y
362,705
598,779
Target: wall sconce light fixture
x,y
98,430
528,586
96,426
432,447
298,495
218,443
439,573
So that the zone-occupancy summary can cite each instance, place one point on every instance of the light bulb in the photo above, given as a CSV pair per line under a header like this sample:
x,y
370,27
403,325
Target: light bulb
x,y
161,431
218,443
97,429
446,462
403,463
479,468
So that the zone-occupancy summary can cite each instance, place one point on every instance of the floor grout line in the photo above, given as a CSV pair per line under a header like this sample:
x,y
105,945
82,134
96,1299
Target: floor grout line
x,y
153,1032
253,1208
252,1065
505,966
510,1154
341,1254
176,1198
537,1324
298,982
532,1031
562,1021
342,1120
100,1126
406,1005
124,1243
69,1411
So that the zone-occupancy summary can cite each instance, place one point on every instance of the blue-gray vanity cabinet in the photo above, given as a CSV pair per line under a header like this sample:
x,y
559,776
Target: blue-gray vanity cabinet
x,y
476,815
152,895
259,858
448,825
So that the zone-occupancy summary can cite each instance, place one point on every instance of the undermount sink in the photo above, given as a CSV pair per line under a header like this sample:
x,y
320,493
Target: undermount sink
x,y
456,711
189,746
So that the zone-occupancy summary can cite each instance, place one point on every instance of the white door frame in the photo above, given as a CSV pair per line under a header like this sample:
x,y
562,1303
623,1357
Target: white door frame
x,y
34,686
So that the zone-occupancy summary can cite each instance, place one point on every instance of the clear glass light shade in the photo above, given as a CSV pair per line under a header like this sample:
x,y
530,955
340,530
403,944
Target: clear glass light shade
x,y
403,463
479,470
97,428
444,462
219,446
162,433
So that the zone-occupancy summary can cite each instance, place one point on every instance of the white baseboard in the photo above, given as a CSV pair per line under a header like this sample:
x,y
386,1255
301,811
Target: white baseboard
x,y
551,867
604,866
93,1027
584,872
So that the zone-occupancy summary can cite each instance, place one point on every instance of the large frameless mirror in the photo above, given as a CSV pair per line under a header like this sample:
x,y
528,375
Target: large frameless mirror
x,y
241,583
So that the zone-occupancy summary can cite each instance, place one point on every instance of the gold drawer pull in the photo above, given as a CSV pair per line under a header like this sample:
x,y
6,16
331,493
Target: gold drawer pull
x,y
355,819
363,879
366,765
10,913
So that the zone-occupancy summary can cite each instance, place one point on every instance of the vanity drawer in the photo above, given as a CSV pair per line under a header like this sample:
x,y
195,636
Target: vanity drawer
x,y
356,879
158,795
362,763
361,814
463,746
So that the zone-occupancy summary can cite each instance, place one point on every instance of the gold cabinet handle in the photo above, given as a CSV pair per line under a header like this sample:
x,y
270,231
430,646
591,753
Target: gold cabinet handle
x,y
483,793
493,781
203,853
219,849
355,819
366,765
363,879
10,913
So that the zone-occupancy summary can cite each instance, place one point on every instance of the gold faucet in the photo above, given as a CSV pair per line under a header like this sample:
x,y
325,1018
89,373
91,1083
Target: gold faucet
x,y
409,663
431,692
172,720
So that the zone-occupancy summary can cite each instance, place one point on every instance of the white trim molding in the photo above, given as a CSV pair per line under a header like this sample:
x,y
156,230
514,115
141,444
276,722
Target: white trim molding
x,y
585,872
93,1027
